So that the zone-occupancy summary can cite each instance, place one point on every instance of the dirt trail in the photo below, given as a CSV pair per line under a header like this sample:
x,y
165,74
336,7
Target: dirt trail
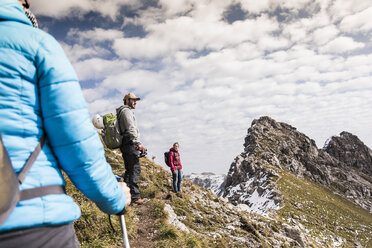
x,y
146,223
146,228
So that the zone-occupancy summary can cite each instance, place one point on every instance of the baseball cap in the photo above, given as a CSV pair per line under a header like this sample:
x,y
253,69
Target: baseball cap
x,y
131,96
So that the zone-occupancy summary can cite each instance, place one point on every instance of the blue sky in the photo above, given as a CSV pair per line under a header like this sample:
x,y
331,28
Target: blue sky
x,y
206,69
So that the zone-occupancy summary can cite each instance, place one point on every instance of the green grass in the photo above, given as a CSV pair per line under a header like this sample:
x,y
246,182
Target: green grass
x,y
324,213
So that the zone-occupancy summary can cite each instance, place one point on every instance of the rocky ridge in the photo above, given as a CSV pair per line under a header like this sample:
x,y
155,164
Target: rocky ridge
x,y
343,165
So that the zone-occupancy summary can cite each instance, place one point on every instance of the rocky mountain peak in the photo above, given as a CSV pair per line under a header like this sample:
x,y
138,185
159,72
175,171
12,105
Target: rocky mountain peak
x,y
271,145
281,145
269,138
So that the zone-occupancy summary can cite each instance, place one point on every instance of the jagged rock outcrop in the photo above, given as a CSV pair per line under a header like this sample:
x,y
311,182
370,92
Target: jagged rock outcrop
x,y
344,165
350,151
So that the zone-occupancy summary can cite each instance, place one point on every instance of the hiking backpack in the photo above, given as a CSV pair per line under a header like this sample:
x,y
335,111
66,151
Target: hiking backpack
x,y
166,158
10,194
111,132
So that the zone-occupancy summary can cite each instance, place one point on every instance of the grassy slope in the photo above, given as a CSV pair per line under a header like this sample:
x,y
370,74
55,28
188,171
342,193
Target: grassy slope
x,y
323,213
317,209
146,224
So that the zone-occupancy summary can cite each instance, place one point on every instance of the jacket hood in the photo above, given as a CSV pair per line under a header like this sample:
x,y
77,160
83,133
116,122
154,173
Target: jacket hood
x,y
11,10
121,108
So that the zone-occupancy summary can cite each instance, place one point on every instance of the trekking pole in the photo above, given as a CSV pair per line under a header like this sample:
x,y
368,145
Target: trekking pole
x,y
124,230
122,224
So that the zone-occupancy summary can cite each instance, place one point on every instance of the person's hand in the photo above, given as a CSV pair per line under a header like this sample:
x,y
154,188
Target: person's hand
x,y
174,172
141,148
126,191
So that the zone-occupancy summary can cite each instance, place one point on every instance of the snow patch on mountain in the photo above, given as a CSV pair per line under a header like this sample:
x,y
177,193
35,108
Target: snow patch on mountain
x,y
255,194
208,180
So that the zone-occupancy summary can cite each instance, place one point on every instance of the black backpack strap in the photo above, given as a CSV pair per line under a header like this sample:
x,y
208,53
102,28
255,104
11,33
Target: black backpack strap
x,y
41,191
118,117
31,160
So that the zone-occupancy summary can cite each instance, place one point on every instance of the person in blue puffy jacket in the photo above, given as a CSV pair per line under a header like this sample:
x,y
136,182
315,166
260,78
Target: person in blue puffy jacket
x,y
40,96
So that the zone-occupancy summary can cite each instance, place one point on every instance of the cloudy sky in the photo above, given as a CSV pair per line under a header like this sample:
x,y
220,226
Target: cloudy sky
x,y
205,69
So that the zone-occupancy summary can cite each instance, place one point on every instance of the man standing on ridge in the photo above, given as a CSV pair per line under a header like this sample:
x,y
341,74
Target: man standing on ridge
x,y
131,146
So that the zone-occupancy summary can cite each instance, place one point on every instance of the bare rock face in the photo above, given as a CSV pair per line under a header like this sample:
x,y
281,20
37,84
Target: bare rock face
x,y
351,152
344,165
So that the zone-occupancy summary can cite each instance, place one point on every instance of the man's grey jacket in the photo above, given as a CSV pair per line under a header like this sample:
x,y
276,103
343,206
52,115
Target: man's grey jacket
x,y
128,125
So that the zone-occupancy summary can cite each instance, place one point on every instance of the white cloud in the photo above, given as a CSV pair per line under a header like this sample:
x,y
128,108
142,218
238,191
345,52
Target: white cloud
x,y
98,69
339,9
363,59
296,32
143,81
139,48
90,96
66,8
352,85
358,22
203,80
186,33
95,35
272,43
175,7
59,9
99,105
255,6
341,45
325,34
294,6
78,52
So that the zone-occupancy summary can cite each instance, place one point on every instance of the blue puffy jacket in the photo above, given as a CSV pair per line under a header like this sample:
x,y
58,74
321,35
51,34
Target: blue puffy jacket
x,y
40,93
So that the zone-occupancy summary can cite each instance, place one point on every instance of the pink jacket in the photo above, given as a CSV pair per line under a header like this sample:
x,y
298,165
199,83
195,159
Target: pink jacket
x,y
174,160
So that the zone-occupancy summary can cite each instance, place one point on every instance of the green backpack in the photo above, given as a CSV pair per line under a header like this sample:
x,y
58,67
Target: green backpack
x,y
111,133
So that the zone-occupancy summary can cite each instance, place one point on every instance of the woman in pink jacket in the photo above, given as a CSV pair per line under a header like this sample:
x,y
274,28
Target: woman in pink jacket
x,y
176,167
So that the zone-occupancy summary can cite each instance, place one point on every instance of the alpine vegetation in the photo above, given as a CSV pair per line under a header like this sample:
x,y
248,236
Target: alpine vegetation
x,y
280,192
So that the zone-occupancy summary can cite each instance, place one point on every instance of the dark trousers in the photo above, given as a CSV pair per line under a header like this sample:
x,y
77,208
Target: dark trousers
x,y
132,170
177,179
61,236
